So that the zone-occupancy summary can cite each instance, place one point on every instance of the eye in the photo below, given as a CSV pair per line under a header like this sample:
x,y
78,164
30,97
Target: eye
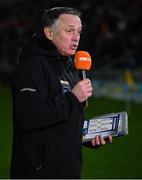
x,y
73,31
80,31
70,30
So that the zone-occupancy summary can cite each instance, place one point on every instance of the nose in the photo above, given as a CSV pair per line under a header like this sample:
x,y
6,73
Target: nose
x,y
76,37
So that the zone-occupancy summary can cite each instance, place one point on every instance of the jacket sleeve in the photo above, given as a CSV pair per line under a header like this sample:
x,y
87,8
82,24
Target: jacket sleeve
x,y
32,108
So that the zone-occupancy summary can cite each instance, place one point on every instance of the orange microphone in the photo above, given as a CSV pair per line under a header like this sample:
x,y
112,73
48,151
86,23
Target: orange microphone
x,y
82,62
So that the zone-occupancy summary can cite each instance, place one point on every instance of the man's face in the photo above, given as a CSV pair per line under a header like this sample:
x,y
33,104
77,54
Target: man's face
x,y
67,35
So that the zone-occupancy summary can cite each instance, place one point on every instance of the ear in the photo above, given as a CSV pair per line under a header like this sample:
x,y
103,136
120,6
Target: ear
x,y
48,33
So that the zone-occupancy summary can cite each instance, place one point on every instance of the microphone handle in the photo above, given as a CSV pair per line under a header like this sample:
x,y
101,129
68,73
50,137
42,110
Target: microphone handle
x,y
84,77
83,74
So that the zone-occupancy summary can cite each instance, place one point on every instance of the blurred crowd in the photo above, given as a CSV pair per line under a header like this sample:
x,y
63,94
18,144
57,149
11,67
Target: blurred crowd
x,y
112,30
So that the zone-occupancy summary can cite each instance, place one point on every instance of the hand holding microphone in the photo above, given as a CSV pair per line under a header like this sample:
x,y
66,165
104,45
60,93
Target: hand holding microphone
x,y
83,89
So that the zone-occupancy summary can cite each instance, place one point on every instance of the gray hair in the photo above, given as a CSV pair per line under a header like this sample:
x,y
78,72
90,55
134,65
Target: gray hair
x,y
50,16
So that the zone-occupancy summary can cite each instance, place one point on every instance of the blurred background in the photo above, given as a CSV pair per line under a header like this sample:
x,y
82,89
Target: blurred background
x,y
112,34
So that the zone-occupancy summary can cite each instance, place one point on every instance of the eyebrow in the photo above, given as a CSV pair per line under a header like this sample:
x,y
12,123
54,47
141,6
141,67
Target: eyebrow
x,y
73,26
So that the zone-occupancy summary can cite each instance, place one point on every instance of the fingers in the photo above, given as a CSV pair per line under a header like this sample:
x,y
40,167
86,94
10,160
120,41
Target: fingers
x,y
86,83
109,139
86,86
82,90
99,140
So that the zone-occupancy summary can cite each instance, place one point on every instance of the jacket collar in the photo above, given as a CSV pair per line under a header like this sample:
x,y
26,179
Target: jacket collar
x,y
39,44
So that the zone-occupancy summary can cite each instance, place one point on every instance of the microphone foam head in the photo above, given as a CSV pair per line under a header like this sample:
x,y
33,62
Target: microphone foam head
x,y
82,60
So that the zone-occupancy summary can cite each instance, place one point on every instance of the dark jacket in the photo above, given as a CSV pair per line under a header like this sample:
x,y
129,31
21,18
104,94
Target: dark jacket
x,y
47,117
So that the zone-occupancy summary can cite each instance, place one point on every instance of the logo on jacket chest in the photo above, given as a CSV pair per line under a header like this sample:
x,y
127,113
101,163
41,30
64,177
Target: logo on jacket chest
x,y
65,86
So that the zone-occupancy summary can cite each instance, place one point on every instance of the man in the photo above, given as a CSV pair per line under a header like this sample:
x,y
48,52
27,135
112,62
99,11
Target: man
x,y
48,101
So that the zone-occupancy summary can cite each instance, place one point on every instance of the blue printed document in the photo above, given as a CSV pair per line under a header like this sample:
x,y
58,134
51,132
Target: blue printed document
x,y
114,124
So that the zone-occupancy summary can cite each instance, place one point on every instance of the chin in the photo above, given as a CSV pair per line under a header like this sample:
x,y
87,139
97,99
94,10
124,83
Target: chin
x,y
69,53
72,52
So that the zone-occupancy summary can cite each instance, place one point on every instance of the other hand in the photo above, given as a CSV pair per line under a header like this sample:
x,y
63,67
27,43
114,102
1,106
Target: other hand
x,y
99,140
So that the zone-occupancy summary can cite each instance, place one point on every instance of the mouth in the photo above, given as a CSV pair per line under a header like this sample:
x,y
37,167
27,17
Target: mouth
x,y
74,47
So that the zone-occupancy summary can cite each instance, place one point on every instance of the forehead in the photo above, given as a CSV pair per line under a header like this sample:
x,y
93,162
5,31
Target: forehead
x,y
70,20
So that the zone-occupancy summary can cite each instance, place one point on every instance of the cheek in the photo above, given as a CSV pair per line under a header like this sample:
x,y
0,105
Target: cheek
x,y
65,42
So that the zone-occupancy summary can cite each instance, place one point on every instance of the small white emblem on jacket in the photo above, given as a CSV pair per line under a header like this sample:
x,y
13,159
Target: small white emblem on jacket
x,y
28,89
